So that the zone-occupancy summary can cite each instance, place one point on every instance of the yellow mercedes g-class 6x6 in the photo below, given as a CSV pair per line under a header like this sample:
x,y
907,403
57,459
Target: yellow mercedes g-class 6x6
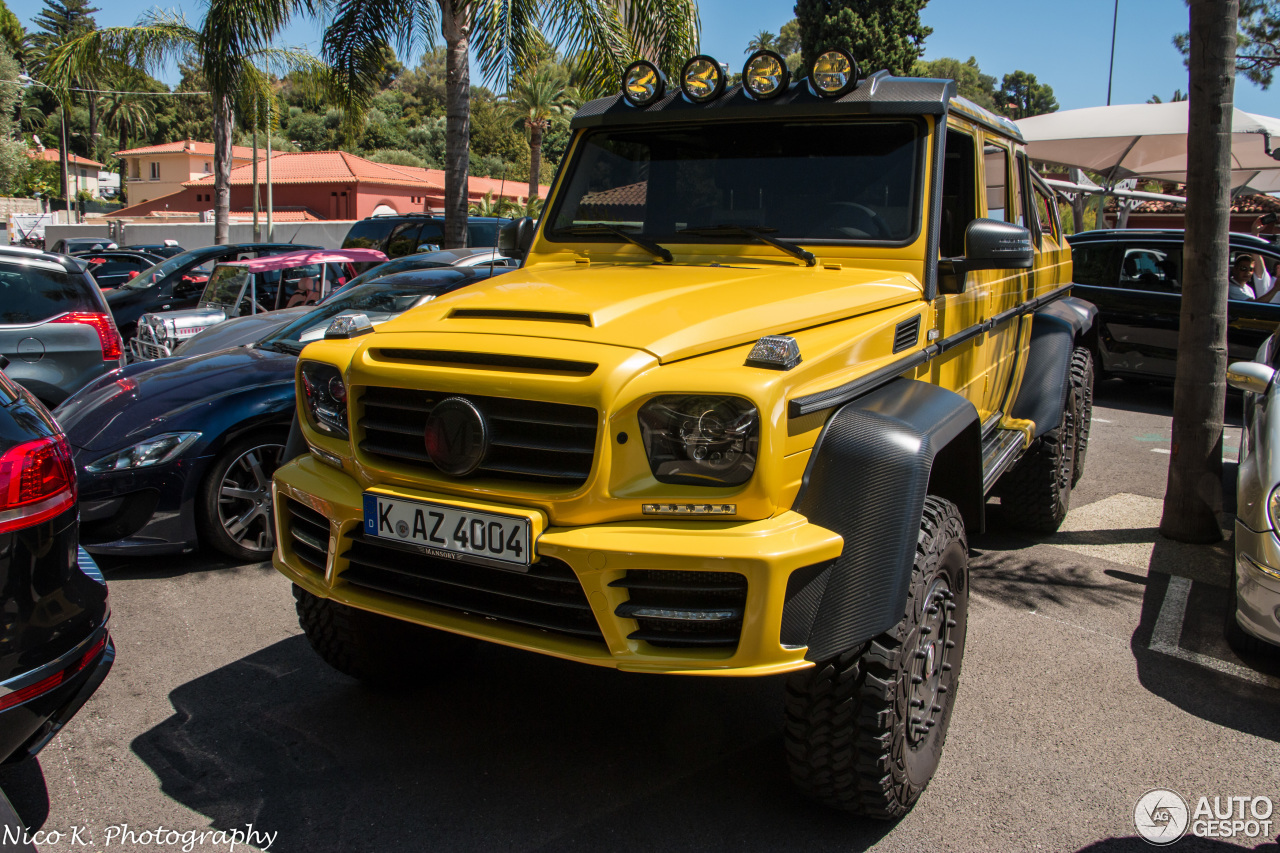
x,y
772,347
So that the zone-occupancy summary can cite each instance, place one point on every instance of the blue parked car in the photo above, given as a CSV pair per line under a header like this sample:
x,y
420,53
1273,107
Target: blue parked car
x,y
180,451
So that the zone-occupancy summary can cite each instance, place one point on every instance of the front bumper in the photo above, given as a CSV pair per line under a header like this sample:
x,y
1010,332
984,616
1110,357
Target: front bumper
x,y
600,557
1258,582
141,511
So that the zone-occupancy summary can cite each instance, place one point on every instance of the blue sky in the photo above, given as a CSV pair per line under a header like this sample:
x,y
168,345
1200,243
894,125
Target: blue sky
x,y
1069,50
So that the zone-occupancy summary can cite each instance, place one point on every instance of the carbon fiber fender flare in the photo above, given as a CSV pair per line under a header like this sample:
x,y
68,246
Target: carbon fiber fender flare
x,y
1055,329
874,462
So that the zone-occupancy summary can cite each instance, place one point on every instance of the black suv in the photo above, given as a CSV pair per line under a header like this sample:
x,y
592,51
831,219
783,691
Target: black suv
x,y
410,233
1135,279
179,281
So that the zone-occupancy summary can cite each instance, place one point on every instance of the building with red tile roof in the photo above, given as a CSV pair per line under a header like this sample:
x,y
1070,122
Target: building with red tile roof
x,y
160,170
81,171
1245,209
327,185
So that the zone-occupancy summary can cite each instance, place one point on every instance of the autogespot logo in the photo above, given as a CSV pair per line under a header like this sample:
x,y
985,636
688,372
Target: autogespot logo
x,y
1161,816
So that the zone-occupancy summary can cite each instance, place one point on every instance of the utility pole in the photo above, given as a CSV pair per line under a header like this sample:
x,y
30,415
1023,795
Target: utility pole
x,y
1115,18
257,229
270,202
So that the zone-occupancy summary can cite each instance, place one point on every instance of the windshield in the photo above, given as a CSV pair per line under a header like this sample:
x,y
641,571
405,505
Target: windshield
x,y
818,181
152,276
225,286
380,301
399,265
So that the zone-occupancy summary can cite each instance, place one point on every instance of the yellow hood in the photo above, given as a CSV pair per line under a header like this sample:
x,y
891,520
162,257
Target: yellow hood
x,y
670,311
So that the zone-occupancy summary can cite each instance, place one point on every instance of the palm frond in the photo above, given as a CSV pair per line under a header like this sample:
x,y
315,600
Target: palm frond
x,y
507,35
354,43
163,36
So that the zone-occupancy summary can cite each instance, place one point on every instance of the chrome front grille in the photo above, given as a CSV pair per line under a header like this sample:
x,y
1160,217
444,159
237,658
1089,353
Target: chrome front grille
x,y
529,440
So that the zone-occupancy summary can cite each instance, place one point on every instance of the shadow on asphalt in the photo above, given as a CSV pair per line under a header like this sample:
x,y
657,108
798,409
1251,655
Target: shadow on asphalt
x,y
1152,399
1206,693
520,751
168,566
23,783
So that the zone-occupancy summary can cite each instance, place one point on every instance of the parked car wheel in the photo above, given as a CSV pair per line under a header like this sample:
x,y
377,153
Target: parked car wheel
x,y
1036,492
1082,379
234,513
382,652
865,730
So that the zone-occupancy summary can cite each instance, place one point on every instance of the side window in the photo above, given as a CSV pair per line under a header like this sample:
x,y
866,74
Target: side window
x,y
959,203
1046,212
432,235
997,175
403,240
1096,264
1153,268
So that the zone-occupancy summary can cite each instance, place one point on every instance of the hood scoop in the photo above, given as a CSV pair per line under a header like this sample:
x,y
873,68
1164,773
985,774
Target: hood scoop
x,y
488,361
515,314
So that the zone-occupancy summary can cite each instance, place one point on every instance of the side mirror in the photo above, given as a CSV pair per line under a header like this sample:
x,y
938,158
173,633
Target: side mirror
x,y
516,237
1250,376
989,244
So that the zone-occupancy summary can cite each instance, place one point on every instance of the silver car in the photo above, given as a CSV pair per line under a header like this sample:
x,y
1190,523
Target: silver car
x,y
1257,535
55,326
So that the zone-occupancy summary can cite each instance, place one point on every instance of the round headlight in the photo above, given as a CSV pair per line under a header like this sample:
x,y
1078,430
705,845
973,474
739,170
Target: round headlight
x,y
835,73
643,83
702,79
765,75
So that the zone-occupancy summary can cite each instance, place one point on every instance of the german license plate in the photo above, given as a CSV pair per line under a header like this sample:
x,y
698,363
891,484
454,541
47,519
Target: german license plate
x,y
450,532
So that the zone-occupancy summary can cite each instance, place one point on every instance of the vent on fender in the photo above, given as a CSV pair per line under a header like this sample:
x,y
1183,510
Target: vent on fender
x,y
906,334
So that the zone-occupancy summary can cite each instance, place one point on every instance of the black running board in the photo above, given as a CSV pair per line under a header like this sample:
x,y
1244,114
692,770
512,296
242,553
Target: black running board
x,y
999,452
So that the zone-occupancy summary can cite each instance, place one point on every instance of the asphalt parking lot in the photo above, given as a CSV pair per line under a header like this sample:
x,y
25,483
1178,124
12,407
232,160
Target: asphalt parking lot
x,y
1096,670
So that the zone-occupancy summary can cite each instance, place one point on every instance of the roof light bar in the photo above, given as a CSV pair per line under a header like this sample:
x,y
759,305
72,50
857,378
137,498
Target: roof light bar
x,y
643,83
765,75
834,73
702,79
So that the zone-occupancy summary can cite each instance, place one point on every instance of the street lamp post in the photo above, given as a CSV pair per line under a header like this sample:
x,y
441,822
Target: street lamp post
x,y
27,80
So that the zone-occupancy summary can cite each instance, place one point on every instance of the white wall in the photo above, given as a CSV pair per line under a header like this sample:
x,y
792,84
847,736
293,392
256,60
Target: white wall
x,y
194,235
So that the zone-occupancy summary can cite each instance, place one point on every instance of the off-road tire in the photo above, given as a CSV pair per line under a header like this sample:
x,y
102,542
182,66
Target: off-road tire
x,y
208,521
1082,379
855,739
382,652
1035,493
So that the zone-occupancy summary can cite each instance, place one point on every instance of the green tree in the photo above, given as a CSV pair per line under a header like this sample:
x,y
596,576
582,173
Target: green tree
x,y
1178,95
129,115
603,37
13,152
1193,495
881,34
1021,96
788,38
58,23
229,47
533,101
1257,41
971,83
13,36
763,40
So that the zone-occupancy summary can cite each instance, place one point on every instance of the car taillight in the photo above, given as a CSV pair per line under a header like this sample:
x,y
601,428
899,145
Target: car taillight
x,y
108,337
37,482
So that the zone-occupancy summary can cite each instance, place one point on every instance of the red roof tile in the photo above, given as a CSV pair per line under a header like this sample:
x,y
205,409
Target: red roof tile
x,y
190,146
52,155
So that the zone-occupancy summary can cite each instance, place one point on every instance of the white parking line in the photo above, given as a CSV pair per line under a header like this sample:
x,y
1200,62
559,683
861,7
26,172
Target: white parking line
x,y
1100,420
1168,630
1163,450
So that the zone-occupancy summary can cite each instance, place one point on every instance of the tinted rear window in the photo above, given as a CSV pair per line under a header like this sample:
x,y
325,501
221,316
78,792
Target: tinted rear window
x,y
1096,263
29,294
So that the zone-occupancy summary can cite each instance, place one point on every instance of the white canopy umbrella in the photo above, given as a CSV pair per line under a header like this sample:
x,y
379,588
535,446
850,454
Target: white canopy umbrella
x,y
1141,140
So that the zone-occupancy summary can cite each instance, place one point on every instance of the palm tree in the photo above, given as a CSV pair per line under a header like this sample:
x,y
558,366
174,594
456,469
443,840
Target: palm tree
x,y
602,35
763,40
130,116
533,100
490,206
231,47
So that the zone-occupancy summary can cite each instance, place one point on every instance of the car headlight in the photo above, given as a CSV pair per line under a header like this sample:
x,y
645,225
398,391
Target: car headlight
x,y
700,440
1273,509
144,454
324,395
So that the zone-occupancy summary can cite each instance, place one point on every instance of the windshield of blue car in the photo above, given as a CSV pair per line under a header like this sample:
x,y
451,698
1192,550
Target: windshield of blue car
x,y
379,301
812,181
152,276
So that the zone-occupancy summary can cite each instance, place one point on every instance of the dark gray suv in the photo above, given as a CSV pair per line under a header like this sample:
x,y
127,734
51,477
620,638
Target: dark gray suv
x,y
55,327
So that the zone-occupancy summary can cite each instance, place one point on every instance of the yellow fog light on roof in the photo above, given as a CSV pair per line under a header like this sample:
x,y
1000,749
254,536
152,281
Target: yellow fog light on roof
x,y
835,73
643,83
702,79
765,75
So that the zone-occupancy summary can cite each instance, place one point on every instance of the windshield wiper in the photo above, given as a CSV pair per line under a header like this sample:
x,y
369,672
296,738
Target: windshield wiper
x,y
605,228
756,234
282,346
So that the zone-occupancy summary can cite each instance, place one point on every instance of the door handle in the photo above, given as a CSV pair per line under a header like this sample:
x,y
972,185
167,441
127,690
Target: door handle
x,y
164,307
